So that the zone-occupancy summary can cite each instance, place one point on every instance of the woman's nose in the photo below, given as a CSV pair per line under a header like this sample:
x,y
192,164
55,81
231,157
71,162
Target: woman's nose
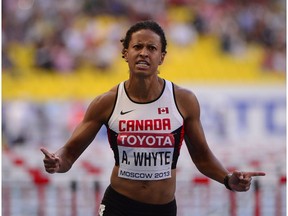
x,y
144,52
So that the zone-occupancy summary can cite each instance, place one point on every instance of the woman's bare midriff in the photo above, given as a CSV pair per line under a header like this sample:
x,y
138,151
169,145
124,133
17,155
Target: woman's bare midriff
x,y
146,191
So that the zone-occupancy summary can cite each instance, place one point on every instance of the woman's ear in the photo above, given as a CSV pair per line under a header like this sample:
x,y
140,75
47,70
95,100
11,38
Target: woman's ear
x,y
162,58
125,55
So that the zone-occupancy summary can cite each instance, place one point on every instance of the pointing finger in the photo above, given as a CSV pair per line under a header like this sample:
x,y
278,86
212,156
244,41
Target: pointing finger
x,y
251,174
46,153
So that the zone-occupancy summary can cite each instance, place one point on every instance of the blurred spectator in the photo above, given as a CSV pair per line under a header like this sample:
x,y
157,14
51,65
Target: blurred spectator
x,y
6,60
230,35
43,57
101,43
146,9
200,23
7,63
181,33
62,60
73,39
275,59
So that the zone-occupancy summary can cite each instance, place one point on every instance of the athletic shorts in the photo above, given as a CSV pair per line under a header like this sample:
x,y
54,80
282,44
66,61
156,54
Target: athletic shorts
x,y
116,204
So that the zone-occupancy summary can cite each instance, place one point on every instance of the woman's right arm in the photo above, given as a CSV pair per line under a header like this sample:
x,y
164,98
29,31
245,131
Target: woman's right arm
x,y
96,115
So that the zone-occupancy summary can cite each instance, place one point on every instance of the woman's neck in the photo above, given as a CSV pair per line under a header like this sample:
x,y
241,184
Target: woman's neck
x,y
144,89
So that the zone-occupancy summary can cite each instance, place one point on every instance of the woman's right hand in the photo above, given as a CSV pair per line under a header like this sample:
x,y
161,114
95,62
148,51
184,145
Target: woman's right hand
x,y
51,161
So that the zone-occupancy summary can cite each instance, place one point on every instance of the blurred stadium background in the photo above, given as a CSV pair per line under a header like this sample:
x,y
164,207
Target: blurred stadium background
x,y
58,55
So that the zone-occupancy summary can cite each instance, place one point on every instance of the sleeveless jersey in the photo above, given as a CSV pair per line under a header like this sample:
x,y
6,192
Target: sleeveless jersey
x,y
146,137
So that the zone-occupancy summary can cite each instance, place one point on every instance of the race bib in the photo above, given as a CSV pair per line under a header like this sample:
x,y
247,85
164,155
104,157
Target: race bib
x,y
145,156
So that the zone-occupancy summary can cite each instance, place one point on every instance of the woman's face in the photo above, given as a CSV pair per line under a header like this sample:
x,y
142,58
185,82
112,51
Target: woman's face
x,y
144,53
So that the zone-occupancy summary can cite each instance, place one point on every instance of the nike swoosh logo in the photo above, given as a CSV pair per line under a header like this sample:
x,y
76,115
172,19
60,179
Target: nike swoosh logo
x,y
123,113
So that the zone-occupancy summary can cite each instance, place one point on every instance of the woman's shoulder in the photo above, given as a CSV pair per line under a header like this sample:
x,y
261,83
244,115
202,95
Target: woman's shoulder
x,y
186,101
183,93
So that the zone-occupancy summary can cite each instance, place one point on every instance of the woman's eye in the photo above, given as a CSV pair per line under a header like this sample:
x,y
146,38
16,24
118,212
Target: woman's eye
x,y
137,46
152,48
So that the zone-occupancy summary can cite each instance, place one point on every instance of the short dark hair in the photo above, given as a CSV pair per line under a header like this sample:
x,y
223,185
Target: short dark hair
x,y
147,24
